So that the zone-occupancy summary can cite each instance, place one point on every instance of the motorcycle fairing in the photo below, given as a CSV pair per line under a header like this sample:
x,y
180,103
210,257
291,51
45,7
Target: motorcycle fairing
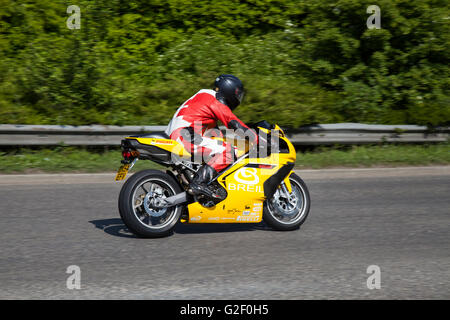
x,y
248,183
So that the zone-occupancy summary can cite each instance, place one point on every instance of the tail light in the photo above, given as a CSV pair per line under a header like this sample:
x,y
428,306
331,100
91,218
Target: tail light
x,y
129,155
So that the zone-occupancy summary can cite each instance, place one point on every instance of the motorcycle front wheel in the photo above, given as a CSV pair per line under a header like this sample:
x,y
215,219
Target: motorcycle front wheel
x,y
135,204
288,211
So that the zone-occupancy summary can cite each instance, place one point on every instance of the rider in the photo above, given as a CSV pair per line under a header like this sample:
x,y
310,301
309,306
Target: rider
x,y
200,113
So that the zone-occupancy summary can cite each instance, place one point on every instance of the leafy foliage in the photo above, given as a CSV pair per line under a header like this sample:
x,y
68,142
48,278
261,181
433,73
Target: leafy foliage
x,y
135,62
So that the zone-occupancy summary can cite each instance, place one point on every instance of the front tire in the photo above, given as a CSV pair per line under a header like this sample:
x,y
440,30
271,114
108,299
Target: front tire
x,y
135,204
285,214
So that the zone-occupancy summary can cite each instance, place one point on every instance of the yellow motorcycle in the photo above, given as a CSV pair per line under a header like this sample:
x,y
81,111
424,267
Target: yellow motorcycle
x,y
259,185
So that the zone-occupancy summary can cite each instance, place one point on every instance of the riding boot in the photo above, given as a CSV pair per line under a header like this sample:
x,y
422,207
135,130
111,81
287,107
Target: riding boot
x,y
199,184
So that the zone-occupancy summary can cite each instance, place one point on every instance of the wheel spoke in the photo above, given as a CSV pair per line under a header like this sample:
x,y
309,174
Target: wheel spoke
x,y
287,207
144,195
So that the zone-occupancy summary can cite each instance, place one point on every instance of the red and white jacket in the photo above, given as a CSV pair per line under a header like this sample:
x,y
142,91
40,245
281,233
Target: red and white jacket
x,y
203,108
199,114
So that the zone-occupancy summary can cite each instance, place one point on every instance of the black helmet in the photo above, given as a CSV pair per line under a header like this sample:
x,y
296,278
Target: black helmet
x,y
230,90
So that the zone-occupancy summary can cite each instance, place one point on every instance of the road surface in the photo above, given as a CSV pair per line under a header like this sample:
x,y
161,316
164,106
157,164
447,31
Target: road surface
x,y
395,219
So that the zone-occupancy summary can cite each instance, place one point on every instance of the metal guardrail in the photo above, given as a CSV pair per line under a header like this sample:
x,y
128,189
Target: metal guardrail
x,y
357,133
323,134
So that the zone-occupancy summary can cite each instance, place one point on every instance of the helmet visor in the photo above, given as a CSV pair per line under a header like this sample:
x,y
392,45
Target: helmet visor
x,y
240,95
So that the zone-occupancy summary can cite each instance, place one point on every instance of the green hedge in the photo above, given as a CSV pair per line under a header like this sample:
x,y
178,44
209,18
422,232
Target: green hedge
x,y
303,62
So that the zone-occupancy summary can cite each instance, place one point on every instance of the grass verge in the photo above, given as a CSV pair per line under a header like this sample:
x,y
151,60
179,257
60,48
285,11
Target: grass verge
x,y
65,159
71,159
375,156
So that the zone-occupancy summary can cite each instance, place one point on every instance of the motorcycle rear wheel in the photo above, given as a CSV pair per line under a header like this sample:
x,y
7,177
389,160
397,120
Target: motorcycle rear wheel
x,y
286,214
135,200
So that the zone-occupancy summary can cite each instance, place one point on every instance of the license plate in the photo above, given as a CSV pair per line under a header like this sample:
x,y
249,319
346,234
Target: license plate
x,y
122,172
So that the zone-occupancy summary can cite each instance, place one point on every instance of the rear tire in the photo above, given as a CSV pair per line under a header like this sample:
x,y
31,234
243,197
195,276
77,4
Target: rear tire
x,y
140,218
273,214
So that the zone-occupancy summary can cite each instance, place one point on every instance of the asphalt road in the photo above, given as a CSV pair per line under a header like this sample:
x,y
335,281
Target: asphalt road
x,y
396,219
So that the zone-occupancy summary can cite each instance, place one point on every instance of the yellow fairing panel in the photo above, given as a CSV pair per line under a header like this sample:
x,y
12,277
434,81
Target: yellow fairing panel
x,y
244,202
244,183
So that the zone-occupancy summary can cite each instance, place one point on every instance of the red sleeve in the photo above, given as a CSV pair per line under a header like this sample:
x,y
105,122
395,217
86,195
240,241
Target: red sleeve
x,y
229,119
224,114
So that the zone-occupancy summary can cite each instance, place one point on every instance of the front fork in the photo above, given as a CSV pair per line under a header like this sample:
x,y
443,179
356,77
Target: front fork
x,y
286,185
285,188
